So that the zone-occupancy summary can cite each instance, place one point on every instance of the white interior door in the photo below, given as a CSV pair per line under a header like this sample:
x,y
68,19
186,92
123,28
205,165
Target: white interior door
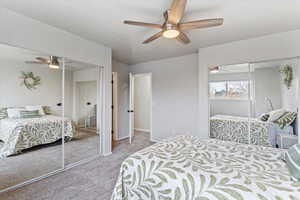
x,y
87,98
131,107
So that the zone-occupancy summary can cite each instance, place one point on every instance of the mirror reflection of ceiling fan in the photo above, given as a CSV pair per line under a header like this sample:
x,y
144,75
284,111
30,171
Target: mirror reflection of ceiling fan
x,y
52,61
220,69
173,27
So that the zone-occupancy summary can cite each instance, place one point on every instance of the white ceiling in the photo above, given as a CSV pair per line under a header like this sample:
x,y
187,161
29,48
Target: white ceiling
x,y
101,21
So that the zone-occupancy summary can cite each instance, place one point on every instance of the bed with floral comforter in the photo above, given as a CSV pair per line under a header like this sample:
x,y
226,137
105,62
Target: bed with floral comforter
x,y
191,168
20,134
236,129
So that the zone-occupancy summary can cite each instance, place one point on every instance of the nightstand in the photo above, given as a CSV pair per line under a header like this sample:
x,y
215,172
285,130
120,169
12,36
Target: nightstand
x,y
285,141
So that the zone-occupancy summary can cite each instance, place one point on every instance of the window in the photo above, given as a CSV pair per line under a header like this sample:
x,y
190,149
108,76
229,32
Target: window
x,y
235,90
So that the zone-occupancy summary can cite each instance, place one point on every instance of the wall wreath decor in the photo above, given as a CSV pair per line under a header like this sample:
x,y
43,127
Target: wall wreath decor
x,y
288,76
30,80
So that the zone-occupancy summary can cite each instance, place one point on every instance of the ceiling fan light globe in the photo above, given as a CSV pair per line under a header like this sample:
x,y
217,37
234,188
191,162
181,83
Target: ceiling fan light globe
x,y
53,66
171,33
214,71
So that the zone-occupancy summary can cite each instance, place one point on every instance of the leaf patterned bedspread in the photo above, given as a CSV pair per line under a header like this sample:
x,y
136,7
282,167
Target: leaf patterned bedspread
x,y
191,168
236,129
20,134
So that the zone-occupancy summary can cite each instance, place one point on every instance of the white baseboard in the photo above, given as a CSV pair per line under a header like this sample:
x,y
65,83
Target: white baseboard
x,y
123,138
154,140
142,130
107,154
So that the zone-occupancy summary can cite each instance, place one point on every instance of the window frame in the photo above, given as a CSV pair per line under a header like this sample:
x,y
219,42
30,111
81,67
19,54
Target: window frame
x,y
248,82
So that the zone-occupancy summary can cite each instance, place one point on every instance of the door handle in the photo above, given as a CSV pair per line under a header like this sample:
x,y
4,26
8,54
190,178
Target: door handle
x,y
130,111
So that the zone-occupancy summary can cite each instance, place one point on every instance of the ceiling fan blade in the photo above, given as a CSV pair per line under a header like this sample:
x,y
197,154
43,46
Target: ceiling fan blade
x,y
42,59
201,24
150,25
33,62
154,37
177,11
183,38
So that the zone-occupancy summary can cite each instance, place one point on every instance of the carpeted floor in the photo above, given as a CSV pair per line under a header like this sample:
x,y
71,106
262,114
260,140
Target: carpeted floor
x,y
46,158
94,180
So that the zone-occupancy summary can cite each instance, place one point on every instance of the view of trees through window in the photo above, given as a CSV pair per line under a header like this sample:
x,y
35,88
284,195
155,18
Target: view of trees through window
x,y
229,90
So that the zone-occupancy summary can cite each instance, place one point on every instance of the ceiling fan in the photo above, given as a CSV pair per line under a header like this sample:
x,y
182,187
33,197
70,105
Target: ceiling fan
x,y
52,61
173,27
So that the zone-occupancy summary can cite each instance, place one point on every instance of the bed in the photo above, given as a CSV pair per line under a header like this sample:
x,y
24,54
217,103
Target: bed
x,y
231,128
191,168
20,134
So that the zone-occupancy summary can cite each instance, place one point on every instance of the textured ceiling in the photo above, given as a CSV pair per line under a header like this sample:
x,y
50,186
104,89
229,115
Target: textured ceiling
x,y
101,21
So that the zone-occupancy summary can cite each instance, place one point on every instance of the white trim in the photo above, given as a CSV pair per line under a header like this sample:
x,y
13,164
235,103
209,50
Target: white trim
x,y
123,138
107,154
155,140
115,104
142,130
63,115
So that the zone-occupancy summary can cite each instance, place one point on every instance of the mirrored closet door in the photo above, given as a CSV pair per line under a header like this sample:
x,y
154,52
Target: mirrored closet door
x,y
275,102
229,97
82,95
255,103
30,115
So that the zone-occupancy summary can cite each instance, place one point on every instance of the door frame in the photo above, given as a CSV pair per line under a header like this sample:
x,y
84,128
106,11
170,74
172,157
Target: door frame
x,y
151,102
115,104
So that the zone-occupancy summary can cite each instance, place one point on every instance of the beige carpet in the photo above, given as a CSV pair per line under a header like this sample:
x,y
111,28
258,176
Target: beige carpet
x,y
43,159
94,180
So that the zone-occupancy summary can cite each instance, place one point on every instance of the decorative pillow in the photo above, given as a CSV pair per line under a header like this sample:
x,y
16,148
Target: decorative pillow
x,y
3,113
14,112
292,158
264,117
29,114
286,119
275,114
33,108
47,110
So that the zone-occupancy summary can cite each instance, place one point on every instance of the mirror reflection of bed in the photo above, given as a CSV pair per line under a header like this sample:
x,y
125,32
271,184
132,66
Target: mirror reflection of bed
x,y
255,103
30,116
32,125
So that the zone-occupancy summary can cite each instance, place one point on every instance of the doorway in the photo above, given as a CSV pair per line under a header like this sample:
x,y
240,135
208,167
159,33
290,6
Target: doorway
x,y
87,105
140,105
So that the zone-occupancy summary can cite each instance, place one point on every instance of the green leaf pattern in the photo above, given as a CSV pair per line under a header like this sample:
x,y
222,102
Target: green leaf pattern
x,y
191,168
20,134
236,129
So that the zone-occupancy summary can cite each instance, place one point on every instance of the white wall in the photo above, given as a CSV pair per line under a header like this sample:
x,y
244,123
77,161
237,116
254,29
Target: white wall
x,y
123,97
282,45
142,102
174,94
266,84
14,94
289,100
28,33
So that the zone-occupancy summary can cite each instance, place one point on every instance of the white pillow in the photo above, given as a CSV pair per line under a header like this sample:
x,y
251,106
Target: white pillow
x,y
14,112
276,114
33,108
